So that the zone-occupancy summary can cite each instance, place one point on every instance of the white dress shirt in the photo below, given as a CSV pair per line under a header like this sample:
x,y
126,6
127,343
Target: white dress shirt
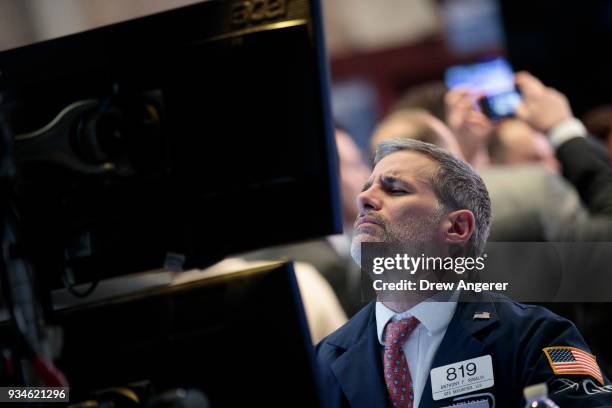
x,y
421,346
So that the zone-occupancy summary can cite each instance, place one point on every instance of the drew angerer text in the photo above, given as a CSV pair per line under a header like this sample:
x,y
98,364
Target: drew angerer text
x,y
425,285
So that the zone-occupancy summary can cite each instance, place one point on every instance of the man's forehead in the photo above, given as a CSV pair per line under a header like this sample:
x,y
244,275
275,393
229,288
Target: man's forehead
x,y
406,165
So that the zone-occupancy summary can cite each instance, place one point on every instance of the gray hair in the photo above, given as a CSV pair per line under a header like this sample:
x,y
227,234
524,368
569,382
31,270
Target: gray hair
x,y
456,185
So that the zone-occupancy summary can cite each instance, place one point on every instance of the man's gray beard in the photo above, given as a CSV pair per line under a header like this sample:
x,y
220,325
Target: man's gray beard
x,y
423,232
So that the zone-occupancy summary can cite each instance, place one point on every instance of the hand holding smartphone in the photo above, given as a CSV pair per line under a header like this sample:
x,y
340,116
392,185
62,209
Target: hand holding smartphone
x,y
494,80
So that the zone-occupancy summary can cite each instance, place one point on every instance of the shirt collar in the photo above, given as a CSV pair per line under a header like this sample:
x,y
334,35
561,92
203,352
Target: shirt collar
x,y
434,316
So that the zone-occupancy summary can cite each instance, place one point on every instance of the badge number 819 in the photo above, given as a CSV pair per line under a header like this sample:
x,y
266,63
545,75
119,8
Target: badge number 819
x,y
462,377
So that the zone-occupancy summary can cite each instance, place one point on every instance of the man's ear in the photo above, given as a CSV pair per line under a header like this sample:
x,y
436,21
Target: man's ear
x,y
460,227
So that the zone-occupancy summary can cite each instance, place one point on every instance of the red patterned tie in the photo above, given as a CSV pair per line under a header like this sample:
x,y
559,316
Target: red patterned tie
x,y
397,374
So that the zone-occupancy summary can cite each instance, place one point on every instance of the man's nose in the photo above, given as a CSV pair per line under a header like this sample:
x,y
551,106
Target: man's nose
x,y
369,200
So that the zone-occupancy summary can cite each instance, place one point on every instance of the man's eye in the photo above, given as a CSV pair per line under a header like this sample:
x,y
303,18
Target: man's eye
x,y
398,192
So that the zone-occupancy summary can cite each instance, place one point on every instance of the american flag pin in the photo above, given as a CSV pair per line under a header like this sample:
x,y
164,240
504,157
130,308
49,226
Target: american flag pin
x,y
482,315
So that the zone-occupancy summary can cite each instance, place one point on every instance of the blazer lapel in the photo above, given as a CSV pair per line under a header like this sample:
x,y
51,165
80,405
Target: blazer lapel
x,y
459,342
359,370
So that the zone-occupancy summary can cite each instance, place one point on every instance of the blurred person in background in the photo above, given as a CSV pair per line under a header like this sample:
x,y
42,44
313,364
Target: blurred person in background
x,y
428,96
548,111
354,172
524,162
417,124
514,142
470,128
599,124
469,125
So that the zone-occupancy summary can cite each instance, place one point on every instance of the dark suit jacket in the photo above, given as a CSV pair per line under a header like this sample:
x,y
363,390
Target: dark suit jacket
x,y
589,172
553,211
350,359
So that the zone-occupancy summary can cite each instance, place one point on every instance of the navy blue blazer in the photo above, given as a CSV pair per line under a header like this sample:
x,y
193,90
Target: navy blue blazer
x,y
350,360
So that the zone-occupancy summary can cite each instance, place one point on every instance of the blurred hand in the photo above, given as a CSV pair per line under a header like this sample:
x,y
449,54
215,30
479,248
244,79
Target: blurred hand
x,y
541,107
464,118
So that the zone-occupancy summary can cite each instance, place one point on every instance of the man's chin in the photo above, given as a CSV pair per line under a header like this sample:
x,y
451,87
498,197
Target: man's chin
x,y
363,236
369,232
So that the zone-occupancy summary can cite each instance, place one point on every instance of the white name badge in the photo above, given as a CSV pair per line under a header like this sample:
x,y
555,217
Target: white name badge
x,y
462,377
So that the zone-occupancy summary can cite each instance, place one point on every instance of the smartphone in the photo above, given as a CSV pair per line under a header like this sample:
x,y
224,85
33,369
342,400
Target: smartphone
x,y
493,79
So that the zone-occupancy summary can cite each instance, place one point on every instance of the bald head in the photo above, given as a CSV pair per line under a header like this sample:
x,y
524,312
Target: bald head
x,y
515,142
416,124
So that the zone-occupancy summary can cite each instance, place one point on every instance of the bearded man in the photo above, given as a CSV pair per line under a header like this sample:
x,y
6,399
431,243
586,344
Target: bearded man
x,y
411,353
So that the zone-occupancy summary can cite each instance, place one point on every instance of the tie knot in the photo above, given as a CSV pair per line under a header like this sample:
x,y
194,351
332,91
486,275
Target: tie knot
x,y
397,333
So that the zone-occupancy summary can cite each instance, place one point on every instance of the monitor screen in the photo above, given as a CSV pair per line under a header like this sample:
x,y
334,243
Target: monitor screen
x,y
237,337
173,139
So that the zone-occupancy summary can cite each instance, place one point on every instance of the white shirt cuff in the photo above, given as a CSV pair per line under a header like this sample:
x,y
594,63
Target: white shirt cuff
x,y
565,131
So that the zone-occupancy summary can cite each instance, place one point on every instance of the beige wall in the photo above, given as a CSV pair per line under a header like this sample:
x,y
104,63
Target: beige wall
x,y
365,25
14,29
26,21
350,25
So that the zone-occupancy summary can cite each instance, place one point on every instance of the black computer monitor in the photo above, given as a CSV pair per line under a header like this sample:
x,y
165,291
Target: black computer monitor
x,y
241,338
174,138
